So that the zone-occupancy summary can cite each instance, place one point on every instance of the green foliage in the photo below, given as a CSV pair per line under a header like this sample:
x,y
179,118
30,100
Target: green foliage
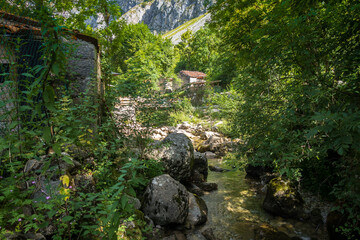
x,y
298,83
177,112
205,52
142,58
50,126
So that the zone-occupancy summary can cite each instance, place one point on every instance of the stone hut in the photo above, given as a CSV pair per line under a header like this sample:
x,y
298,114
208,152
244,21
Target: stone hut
x,y
190,77
20,52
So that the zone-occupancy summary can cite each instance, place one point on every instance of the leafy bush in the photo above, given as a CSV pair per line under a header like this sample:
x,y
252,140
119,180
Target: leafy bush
x,y
296,108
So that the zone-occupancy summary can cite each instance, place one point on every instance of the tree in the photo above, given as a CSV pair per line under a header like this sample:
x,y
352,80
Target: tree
x,y
298,78
155,59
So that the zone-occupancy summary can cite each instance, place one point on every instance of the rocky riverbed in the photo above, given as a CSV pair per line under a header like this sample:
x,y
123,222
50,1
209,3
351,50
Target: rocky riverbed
x,y
224,203
234,204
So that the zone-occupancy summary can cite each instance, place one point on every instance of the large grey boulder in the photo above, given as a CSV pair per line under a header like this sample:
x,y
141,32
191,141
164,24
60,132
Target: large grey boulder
x,y
200,167
177,153
197,211
166,201
283,199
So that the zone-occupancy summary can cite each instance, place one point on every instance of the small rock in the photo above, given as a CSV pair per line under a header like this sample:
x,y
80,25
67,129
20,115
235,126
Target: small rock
x,y
197,211
208,187
209,234
195,236
156,136
266,232
214,140
210,155
179,235
134,201
197,177
32,165
206,135
184,125
217,169
203,148
194,189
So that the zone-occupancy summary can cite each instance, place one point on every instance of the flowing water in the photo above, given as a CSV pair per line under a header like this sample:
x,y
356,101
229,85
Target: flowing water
x,y
235,210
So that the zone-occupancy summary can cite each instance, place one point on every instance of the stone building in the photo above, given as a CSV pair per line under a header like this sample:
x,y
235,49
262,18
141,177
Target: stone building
x,y
21,51
189,77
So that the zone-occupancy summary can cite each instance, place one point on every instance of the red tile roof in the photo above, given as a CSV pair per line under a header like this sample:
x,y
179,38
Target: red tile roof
x,y
17,24
22,25
193,74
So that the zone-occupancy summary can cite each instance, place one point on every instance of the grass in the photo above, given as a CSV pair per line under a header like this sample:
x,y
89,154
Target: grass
x,y
171,33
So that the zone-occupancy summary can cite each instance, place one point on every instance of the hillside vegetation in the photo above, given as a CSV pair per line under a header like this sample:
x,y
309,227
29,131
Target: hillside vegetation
x,y
288,90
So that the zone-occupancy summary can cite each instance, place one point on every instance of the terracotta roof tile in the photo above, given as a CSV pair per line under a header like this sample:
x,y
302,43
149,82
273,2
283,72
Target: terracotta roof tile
x,y
193,74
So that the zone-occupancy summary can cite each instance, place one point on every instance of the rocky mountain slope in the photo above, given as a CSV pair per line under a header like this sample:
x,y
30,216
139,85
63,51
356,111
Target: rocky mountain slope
x,y
193,25
164,15
160,15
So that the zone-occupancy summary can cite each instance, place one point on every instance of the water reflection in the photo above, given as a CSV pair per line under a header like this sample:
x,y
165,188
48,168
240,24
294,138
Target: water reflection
x,y
235,210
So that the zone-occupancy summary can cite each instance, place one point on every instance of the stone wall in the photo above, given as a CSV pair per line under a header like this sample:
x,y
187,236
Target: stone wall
x,y
82,68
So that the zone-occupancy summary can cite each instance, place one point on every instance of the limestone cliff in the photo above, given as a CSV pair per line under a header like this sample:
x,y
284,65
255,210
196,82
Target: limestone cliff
x,y
164,15
160,15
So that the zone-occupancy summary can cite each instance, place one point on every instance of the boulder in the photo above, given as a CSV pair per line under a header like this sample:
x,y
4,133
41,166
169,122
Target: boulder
x,y
208,187
335,220
201,164
283,199
266,232
177,153
198,211
255,172
166,201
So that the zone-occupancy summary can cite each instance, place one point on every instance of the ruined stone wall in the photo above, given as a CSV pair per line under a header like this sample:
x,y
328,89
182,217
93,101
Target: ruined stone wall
x,y
83,68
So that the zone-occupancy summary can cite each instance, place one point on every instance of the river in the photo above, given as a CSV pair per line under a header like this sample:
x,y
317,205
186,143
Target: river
x,y
235,210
